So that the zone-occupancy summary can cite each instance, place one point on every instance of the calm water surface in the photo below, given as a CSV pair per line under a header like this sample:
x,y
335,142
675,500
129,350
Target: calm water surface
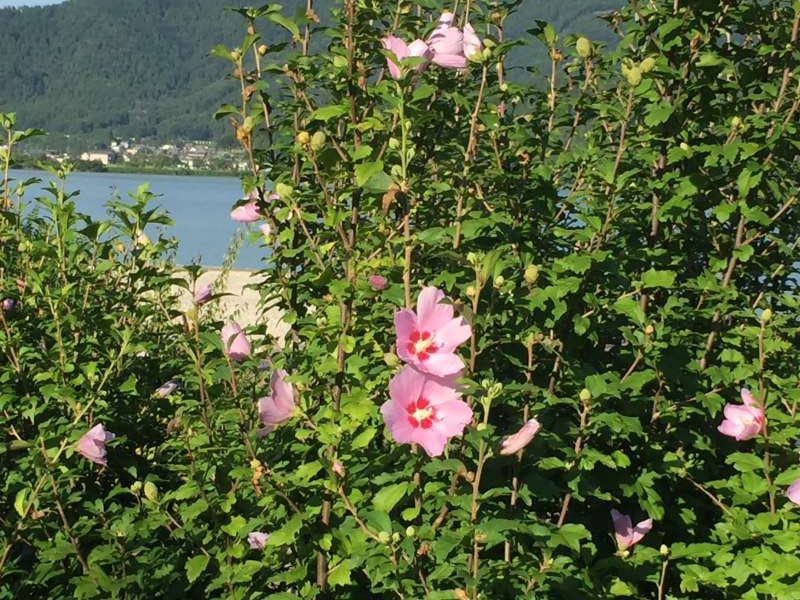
x,y
200,207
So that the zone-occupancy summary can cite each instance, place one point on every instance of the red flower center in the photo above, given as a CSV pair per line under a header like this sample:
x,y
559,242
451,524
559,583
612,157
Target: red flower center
x,y
421,413
421,345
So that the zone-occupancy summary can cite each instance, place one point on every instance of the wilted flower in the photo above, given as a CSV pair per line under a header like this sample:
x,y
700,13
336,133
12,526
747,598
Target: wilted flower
x,y
279,407
793,493
235,344
203,294
425,410
165,389
447,43
743,422
257,540
514,443
377,282
627,535
246,213
401,50
92,444
428,338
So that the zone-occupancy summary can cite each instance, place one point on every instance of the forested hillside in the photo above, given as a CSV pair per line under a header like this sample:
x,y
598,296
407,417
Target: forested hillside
x,y
91,69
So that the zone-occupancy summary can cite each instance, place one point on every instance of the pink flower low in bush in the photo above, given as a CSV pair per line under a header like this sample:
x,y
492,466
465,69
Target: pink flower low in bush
x,y
447,43
279,406
235,344
377,282
428,338
203,294
745,421
257,540
92,444
793,493
425,410
472,43
246,213
401,50
514,443
626,533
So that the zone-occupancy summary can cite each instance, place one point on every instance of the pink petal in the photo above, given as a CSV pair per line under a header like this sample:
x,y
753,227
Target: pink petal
x,y
452,417
446,19
641,529
234,342
419,48
793,493
246,213
622,528
730,428
431,312
399,48
747,398
282,391
516,442
432,441
440,364
450,61
453,333
439,390
406,386
396,420
472,43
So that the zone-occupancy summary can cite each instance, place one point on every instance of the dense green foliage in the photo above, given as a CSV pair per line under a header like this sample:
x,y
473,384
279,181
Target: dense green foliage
x,y
622,241
93,69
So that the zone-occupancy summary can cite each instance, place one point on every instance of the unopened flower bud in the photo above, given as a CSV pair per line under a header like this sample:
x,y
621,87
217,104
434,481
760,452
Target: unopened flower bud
x,y
499,281
647,64
302,138
318,141
531,274
384,536
625,553
649,330
664,550
584,47
634,76
471,291
410,531
262,49
684,146
766,315
236,54
736,122
395,537
136,487
585,395
150,491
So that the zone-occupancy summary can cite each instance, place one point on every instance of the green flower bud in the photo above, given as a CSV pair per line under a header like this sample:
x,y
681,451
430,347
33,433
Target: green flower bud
x,y
262,50
384,536
736,122
584,47
471,291
150,491
284,190
634,76
318,141
684,146
531,274
499,281
649,330
648,64
394,143
395,537
302,138
664,550
766,315
585,395
625,553
236,54
410,531
136,487
504,87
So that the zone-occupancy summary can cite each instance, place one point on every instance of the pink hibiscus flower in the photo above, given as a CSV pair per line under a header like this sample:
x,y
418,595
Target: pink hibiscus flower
x,y
447,43
377,282
514,443
235,344
279,407
425,410
793,493
627,535
401,50
428,338
745,421
257,540
246,213
92,444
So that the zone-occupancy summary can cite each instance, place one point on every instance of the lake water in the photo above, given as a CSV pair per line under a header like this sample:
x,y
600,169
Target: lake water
x,y
200,207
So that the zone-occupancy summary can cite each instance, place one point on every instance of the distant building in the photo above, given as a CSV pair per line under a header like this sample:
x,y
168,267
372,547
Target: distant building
x,y
102,156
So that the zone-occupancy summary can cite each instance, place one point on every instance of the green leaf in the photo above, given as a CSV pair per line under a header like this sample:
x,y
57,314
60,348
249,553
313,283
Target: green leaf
x,y
744,462
385,500
658,279
325,113
195,566
287,533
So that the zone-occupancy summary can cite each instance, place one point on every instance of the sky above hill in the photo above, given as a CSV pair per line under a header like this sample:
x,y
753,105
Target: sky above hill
x,y
7,3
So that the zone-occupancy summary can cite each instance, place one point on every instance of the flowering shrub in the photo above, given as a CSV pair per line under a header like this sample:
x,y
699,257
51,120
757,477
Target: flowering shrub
x,y
600,263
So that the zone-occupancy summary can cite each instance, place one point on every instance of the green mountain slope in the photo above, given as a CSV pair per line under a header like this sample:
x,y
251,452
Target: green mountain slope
x,y
140,68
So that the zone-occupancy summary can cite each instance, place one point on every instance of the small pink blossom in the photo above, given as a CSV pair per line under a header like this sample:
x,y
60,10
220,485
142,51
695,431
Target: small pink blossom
x,y
246,213
377,282
257,540
425,410
92,444
401,50
793,493
279,407
203,294
165,389
428,338
235,344
627,535
743,421
516,442
447,44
